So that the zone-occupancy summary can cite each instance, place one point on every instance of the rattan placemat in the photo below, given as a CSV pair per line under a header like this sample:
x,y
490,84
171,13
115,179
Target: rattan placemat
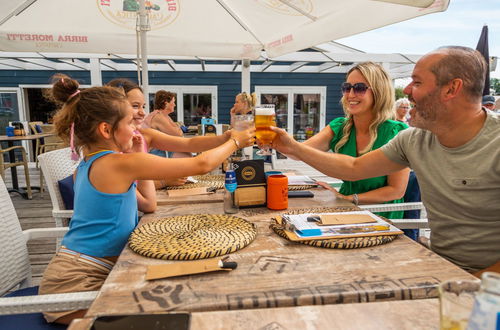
x,y
333,243
190,237
209,180
217,181
302,187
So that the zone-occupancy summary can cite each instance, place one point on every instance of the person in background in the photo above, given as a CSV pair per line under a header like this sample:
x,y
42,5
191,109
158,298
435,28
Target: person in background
x,y
368,103
453,149
159,119
99,124
403,107
243,103
489,102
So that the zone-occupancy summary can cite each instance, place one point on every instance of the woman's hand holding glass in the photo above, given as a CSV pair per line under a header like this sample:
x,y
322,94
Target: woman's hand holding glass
x,y
244,138
284,142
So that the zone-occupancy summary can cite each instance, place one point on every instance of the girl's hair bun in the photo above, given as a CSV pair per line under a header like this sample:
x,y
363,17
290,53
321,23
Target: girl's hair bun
x,y
64,88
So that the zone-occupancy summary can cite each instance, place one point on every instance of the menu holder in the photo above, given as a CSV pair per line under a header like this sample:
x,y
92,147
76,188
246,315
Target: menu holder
x,y
298,228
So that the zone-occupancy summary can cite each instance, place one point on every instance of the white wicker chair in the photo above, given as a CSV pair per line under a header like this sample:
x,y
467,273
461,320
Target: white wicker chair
x,y
15,272
57,165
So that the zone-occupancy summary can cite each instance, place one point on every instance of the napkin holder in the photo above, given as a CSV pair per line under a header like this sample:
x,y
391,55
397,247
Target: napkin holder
x,y
251,180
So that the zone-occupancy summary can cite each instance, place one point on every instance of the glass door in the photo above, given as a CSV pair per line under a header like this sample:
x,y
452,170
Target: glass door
x,y
306,116
280,102
303,117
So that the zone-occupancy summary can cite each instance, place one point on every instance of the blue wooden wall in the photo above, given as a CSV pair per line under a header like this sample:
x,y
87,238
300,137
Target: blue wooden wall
x,y
228,83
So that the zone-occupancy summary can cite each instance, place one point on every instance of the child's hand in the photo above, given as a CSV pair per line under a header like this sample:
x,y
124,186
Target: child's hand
x,y
137,143
245,138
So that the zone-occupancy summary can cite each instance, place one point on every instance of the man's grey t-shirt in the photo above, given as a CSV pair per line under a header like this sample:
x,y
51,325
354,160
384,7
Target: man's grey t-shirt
x,y
460,190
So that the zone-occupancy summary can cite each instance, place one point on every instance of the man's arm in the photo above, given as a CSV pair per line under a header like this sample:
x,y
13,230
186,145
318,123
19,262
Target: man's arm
x,y
344,167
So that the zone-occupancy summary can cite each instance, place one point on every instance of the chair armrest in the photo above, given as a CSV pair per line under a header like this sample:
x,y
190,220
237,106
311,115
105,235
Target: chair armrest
x,y
47,302
410,223
392,207
62,213
12,148
36,233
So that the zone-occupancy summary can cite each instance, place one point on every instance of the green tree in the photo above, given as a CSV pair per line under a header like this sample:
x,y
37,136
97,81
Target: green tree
x,y
495,84
399,93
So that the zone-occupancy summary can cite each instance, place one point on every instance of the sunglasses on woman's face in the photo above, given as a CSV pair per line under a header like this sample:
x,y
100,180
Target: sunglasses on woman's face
x,y
359,88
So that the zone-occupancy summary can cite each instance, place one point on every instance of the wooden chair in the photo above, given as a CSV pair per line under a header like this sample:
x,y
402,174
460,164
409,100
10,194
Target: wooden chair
x,y
14,163
15,273
35,128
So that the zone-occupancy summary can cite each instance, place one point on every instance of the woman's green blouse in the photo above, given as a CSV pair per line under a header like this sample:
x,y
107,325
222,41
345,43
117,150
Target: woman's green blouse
x,y
385,132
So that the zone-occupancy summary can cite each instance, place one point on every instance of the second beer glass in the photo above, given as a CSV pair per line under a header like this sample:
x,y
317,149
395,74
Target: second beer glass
x,y
265,117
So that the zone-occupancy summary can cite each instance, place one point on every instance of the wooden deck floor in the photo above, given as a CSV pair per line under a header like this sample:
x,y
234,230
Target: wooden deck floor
x,y
35,213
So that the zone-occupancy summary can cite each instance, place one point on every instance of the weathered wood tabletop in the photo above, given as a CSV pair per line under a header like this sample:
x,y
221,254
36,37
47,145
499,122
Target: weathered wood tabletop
x,y
274,272
402,314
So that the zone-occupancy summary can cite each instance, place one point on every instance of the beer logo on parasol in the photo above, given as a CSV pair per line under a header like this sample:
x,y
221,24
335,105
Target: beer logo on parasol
x,y
280,7
124,12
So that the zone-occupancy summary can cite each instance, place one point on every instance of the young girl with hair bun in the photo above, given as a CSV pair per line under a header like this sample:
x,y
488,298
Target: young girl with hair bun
x,y
99,124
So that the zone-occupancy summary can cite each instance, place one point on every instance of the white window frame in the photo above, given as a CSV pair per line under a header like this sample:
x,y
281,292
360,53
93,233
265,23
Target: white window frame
x,y
290,91
180,90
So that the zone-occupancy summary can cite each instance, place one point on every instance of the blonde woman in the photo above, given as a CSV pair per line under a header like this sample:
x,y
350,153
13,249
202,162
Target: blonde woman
x,y
243,103
368,103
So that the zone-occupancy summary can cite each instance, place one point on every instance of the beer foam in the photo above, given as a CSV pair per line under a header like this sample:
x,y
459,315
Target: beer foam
x,y
264,111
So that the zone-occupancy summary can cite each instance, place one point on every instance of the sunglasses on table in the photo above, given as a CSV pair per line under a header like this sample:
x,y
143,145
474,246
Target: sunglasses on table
x,y
359,88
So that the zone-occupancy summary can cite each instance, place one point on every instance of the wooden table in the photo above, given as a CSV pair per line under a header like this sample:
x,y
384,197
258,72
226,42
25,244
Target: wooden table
x,y
274,272
10,143
402,314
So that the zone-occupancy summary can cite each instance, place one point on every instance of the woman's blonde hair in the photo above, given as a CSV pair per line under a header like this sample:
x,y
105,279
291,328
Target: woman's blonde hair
x,y
383,102
249,99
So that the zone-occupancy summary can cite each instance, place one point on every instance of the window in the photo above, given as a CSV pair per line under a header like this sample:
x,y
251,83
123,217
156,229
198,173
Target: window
x,y
192,102
299,110
9,108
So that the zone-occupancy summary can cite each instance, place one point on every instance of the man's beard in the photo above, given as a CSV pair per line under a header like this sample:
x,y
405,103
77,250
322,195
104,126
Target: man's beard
x,y
426,110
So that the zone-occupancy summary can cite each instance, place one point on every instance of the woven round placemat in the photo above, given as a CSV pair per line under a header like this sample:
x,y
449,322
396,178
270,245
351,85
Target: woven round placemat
x,y
334,243
302,187
190,237
209,180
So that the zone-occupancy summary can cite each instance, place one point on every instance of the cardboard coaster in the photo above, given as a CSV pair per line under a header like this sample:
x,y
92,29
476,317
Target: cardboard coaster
x,y
190,237
334,243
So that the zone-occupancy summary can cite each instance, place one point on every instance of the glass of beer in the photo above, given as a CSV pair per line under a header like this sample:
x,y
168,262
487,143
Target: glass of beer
x,y
265,117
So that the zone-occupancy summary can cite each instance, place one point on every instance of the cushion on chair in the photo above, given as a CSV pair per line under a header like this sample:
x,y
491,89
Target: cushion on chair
x,y
38,129
67,191
412,194
32,321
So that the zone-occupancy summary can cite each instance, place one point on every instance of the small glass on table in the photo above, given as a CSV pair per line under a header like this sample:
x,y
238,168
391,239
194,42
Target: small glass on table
x,y
265,117
456,299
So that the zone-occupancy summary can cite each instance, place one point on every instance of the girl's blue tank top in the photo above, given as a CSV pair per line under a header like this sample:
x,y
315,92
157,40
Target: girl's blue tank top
x,y
101,222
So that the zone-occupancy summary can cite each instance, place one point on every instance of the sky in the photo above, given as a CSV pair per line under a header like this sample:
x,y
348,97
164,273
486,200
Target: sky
x,y
460,24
